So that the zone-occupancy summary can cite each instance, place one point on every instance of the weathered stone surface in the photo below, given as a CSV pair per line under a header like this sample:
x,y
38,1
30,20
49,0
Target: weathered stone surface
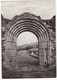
x,y
32,23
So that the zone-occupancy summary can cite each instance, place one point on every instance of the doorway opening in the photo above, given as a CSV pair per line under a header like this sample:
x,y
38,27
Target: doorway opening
x,y
26,38
27,51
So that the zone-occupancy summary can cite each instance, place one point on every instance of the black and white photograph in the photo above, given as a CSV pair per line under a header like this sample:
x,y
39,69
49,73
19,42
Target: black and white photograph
x,y
28,39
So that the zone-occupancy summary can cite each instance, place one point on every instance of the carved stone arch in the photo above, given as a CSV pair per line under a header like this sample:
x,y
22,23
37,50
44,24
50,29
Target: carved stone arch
x,y
31,23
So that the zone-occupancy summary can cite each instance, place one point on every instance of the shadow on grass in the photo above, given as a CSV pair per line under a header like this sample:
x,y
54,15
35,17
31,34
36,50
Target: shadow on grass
x,y
6,73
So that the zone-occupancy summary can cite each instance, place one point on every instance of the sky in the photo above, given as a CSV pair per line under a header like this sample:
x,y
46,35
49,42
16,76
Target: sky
x,y
26,38
43,8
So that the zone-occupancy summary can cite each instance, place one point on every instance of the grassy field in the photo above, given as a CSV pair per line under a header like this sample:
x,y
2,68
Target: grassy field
x,y
23,57
23,74
27,67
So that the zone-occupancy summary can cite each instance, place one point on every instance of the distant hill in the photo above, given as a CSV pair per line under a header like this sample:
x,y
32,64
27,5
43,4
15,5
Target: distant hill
x,y
28,46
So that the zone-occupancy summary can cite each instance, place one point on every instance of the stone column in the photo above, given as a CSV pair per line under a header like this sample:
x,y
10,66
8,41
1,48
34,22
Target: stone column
x,y
42,52
11,49
48,52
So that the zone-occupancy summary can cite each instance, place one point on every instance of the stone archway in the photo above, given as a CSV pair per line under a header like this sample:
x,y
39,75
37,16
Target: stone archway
x,y
22,23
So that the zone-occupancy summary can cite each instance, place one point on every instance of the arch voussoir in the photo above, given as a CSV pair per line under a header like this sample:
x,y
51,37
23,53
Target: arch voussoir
x,y
32,24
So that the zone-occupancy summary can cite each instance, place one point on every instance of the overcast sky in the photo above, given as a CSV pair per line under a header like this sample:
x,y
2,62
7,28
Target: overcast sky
x,y
43,8
26,38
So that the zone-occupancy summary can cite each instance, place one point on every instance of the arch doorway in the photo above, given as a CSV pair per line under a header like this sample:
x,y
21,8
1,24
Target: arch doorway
x,y
22,23
27,41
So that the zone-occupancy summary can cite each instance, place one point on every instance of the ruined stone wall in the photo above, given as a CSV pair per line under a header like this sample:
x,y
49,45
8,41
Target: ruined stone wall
x,y
11,47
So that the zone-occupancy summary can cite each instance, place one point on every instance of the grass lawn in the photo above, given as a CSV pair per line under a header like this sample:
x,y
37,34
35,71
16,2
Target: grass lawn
x,y
30,65
29,74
